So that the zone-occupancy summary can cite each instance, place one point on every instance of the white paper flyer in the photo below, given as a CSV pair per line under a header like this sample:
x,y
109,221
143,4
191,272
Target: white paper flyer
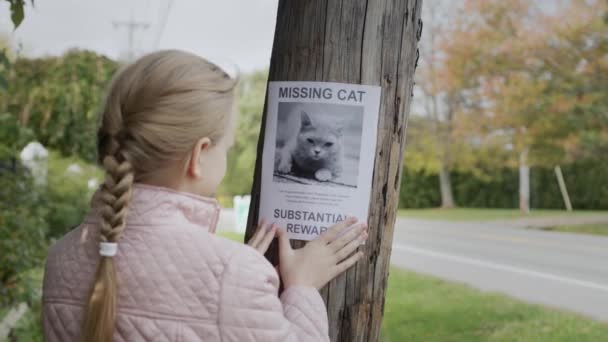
x,y
318,157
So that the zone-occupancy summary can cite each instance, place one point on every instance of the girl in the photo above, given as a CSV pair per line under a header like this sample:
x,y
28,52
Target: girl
x,y
145,265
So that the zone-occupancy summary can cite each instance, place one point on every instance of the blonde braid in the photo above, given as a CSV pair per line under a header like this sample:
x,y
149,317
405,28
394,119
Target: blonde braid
x,y
115,196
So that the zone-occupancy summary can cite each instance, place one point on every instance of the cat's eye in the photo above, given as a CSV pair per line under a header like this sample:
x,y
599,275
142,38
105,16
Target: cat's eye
x,y
328,144
310,140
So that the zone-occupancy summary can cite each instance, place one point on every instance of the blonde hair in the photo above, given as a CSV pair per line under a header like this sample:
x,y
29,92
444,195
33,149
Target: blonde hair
x,y
156,109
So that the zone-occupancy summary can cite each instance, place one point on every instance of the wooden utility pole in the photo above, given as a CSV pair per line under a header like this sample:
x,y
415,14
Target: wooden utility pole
x,y
562,187
131,26
372,42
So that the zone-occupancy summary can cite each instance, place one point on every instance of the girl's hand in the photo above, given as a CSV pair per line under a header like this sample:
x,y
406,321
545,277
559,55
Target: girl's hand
x,y
322,259
262,237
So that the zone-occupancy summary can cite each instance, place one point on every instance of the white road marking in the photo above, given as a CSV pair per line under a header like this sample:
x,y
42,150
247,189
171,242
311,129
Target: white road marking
x,y
502,267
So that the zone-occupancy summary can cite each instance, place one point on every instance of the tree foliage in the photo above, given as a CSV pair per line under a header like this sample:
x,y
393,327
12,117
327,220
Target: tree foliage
x,y
52,100
241,160
22,232
504,79
531,77
58,98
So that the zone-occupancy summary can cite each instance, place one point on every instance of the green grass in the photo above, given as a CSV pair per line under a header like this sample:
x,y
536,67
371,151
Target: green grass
x,y
593,229
481,214
238,237
421,308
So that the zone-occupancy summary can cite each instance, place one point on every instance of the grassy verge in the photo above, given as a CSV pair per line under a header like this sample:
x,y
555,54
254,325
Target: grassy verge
x,y
593,229
481,214
238,237
421,308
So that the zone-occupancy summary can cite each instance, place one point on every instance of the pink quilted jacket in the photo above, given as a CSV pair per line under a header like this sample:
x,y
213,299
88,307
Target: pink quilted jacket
x,y
177,280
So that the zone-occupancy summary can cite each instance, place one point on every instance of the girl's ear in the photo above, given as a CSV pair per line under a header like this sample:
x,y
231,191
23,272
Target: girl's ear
x,y
198,152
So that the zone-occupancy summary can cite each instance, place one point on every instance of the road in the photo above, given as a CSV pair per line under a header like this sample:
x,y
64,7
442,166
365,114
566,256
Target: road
x,y
560,270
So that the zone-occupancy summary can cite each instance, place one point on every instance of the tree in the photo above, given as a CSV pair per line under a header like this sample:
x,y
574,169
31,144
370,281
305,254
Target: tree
x,y
17,11
487,49
438,101
250,103
365,43
22,208
507,55
572,49
421,153
17,14
58,98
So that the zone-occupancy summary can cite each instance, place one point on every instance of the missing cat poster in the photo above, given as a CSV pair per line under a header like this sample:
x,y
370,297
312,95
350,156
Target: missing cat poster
x,y
318,157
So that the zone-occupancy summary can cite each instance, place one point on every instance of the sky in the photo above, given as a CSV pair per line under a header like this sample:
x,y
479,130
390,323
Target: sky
x,y
229,32
237,33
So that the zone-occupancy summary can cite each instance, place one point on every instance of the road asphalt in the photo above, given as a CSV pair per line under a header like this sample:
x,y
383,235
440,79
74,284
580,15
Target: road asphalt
x,y
560,270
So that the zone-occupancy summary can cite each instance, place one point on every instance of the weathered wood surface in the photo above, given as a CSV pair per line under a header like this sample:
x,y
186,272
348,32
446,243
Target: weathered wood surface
x,y
371,42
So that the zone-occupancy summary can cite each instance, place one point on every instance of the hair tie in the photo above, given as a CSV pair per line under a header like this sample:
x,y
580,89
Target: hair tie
x,y
108,249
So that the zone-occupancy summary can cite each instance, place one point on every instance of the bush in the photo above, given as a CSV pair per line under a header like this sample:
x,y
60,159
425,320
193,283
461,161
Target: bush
x,y
23,229
584,180
31,216
29,327
419,189
500,190
68,192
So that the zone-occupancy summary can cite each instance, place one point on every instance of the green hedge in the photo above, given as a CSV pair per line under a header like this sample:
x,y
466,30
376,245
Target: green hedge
x,y
23,229
419,189
32,216
68,193
587,183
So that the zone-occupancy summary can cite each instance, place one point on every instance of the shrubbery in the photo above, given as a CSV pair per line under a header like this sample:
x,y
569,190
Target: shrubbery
x,y
32,216
23,229
584,180
68,192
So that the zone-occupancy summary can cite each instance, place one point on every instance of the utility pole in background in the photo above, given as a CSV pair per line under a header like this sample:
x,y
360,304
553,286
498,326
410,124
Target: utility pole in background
x,y
131,26
358,42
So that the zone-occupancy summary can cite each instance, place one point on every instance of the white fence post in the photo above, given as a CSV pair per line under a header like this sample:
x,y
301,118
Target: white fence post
x,y
241,211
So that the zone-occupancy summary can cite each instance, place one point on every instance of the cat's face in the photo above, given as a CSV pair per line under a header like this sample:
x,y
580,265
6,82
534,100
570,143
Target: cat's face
x,y
318,139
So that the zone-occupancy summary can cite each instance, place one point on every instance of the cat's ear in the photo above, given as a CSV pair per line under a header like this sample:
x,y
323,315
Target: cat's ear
x,y
306,122
339,128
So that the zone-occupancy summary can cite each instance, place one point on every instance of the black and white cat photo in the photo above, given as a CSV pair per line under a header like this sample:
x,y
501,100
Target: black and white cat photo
x,y
311,143
315,151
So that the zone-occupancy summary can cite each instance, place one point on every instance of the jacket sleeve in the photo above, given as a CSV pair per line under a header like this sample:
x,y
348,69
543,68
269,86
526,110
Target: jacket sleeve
x,y
251,310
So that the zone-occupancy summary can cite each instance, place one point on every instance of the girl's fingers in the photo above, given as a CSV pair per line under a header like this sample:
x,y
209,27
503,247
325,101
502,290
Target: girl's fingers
x,y
347,237
259,233
284,245
267,239
346,264
350,247
331,234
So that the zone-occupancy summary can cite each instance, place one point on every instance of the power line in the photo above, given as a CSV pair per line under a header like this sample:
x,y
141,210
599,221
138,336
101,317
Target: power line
x,y
131,27
163,24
